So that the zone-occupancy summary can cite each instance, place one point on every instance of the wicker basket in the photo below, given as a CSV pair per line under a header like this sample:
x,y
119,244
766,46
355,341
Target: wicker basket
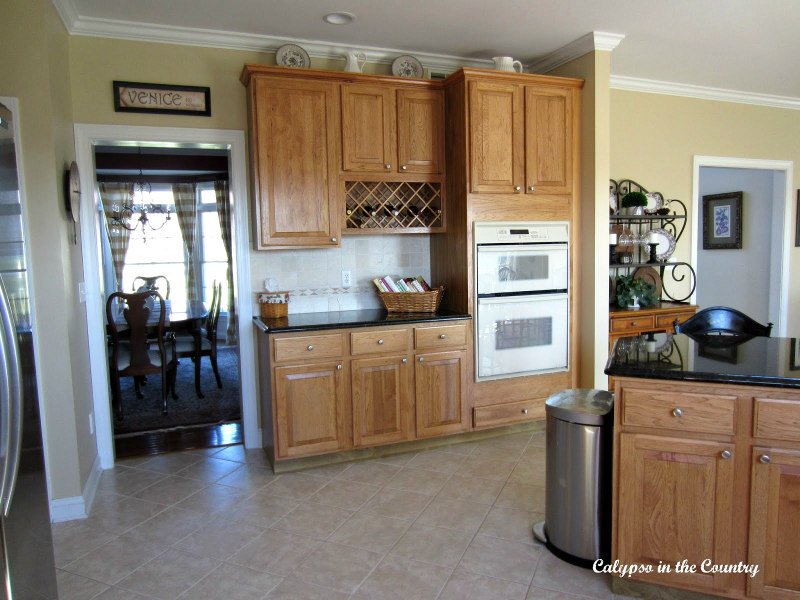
x,y
412,302
273,311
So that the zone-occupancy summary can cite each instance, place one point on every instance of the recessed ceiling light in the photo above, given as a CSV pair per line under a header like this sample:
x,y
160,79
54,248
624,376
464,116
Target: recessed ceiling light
x,y
339,18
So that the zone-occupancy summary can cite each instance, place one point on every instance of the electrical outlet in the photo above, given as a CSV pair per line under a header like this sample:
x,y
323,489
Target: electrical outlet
x,y
347,279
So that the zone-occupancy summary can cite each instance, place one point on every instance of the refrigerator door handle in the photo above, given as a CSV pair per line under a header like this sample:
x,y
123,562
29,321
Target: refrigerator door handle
x,y
12,403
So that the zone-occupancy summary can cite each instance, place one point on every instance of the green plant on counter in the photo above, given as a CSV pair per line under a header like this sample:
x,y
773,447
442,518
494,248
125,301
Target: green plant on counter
x,y
633,199
629,290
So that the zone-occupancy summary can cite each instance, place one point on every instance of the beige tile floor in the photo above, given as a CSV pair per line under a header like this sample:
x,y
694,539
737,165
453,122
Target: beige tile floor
x,y
217,524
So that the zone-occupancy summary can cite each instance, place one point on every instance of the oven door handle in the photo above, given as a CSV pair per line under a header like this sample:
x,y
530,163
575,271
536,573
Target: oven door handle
x,y
522,298
545,247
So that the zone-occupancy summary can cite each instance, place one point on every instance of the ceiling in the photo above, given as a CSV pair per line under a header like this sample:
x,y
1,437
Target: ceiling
x,y
750,47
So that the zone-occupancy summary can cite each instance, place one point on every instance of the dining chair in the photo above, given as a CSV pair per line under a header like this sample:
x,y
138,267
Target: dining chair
x,y
150,283
722,320
203,341
138,344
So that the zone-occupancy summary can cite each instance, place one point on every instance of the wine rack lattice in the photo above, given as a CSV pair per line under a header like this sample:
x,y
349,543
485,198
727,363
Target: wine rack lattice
x,y
392,205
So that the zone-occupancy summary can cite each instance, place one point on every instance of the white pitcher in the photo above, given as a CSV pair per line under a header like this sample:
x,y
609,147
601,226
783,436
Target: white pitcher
x,y
355,61
507,63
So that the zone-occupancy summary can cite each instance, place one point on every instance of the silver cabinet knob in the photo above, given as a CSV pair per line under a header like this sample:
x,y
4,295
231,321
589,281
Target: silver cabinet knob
x,y
338,367
441,337
533,188
764,458
388,166
725,454
380,342
524,411
404,361
677,412
333,240
310,347
421,359
518,187
404,167
633,324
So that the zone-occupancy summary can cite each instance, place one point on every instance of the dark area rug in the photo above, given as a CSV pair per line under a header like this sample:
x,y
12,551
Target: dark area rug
x,y
218,406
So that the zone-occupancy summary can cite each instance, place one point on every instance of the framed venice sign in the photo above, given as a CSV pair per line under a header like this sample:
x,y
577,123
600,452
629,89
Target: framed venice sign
x,y
722,221
158,98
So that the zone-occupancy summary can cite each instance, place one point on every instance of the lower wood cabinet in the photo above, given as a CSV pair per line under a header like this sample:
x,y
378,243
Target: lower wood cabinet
x,y
310,409
712,473
330,391
382,405
440,379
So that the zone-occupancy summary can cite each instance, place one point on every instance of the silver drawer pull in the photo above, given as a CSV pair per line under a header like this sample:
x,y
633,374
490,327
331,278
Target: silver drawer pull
x,y
517,187
533,188
421,359
404,361
524,411
633,324
404,167
725,454
333,240
677,412
310,347
338,367
764,458
441,337
380,342
388,166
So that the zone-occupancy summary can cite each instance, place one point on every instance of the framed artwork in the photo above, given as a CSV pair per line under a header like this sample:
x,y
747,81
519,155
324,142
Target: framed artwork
x,y
722,221
130,96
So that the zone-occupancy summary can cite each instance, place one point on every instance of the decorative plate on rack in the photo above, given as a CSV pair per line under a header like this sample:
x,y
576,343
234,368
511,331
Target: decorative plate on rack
x,y
654,202
650,275
665,243
612,203
407,66
292,55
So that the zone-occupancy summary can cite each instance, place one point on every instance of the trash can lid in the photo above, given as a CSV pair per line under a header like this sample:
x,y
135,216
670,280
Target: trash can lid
x,y
583,406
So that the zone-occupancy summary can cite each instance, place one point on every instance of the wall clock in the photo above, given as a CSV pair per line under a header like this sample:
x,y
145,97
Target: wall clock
x,y
72,197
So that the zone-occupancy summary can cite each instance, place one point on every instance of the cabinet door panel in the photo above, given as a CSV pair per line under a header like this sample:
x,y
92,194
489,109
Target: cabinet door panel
x,y
775,524
368,128
295,128
496,139
440,385
548,137
675,502
420,131
382,405
310,409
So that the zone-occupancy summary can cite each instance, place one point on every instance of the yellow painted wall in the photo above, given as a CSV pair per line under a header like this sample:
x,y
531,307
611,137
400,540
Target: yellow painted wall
x,y
35,50
655,137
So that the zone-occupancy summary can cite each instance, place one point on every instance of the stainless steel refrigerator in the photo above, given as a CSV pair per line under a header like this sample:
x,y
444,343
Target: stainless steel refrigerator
x,y
27,547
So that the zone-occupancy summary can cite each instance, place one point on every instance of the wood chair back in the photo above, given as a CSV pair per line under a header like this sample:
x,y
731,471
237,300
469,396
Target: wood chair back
x,y
136,311
723,320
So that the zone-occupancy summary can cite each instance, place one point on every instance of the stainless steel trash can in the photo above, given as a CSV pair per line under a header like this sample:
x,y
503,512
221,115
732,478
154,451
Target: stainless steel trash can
x,y
578,476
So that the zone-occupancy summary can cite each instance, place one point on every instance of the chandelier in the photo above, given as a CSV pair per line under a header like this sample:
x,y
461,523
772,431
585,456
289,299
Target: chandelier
x,y
138,210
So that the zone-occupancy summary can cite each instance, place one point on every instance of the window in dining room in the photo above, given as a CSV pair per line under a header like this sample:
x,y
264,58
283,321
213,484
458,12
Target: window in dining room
x,y
212,256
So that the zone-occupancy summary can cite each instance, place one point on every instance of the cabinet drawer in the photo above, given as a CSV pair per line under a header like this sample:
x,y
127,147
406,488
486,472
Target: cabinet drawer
x,y
441,336
386,340
311,346
508,413
779,419
666,321
703,413
632,323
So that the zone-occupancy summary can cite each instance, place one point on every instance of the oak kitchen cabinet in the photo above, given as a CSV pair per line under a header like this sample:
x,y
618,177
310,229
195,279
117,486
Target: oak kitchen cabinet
x,y
333,390
695,463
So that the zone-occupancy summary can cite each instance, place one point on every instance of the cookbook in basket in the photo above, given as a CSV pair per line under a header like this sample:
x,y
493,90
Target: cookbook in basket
x,y
412,302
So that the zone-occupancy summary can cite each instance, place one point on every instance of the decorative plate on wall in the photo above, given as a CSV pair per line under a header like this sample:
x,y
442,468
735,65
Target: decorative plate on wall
x,y
292,55
407,66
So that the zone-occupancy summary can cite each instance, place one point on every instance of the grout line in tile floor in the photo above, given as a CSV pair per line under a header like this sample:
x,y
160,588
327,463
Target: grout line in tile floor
x,y
155,474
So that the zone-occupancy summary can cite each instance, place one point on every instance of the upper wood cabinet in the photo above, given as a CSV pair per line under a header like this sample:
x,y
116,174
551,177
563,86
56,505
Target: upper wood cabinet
x,y
390,129
294,147
521,138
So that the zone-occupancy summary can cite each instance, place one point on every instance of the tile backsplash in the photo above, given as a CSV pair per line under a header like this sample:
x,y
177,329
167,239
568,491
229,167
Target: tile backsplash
x,y
314,277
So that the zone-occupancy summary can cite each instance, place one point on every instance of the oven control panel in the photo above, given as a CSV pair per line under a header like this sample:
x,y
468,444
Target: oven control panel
x,y
521,233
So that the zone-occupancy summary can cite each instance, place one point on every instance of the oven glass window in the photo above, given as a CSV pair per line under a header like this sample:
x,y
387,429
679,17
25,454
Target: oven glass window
x,y
523,268
523,333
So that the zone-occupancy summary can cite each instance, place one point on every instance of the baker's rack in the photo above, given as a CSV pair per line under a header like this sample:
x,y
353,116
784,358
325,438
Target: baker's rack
x,y
672,220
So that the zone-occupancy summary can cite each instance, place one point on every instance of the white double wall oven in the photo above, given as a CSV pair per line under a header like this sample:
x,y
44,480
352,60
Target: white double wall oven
x,y
522,304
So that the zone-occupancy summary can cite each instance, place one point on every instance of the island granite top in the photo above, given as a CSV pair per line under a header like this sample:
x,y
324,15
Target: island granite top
x,y
351,318
765,361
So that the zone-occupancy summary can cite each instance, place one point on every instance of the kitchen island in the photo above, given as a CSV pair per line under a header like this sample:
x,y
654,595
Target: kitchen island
x,y
707,464
338,382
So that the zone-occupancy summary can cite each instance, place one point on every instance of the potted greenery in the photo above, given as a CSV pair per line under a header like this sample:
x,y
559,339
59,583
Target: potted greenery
x,y
633,203
633,293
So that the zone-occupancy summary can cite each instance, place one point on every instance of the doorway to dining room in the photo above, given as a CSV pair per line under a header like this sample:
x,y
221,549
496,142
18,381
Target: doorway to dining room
x,y
189,271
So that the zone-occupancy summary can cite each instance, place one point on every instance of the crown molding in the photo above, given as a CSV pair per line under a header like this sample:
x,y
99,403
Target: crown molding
x,y
109,28
66,10
652,86
596,40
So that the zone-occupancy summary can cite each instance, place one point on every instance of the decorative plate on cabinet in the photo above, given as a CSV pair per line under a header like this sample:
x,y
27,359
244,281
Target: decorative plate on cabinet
x,y
292,55
612,203
665,243
654,202
650,275
407,66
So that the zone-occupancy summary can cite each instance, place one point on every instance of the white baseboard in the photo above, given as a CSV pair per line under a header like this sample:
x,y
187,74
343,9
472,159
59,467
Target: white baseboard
x,y
77,507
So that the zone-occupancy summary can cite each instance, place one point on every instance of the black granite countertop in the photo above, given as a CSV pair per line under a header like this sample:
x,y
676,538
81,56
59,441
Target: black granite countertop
x,y
350,318
766,361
